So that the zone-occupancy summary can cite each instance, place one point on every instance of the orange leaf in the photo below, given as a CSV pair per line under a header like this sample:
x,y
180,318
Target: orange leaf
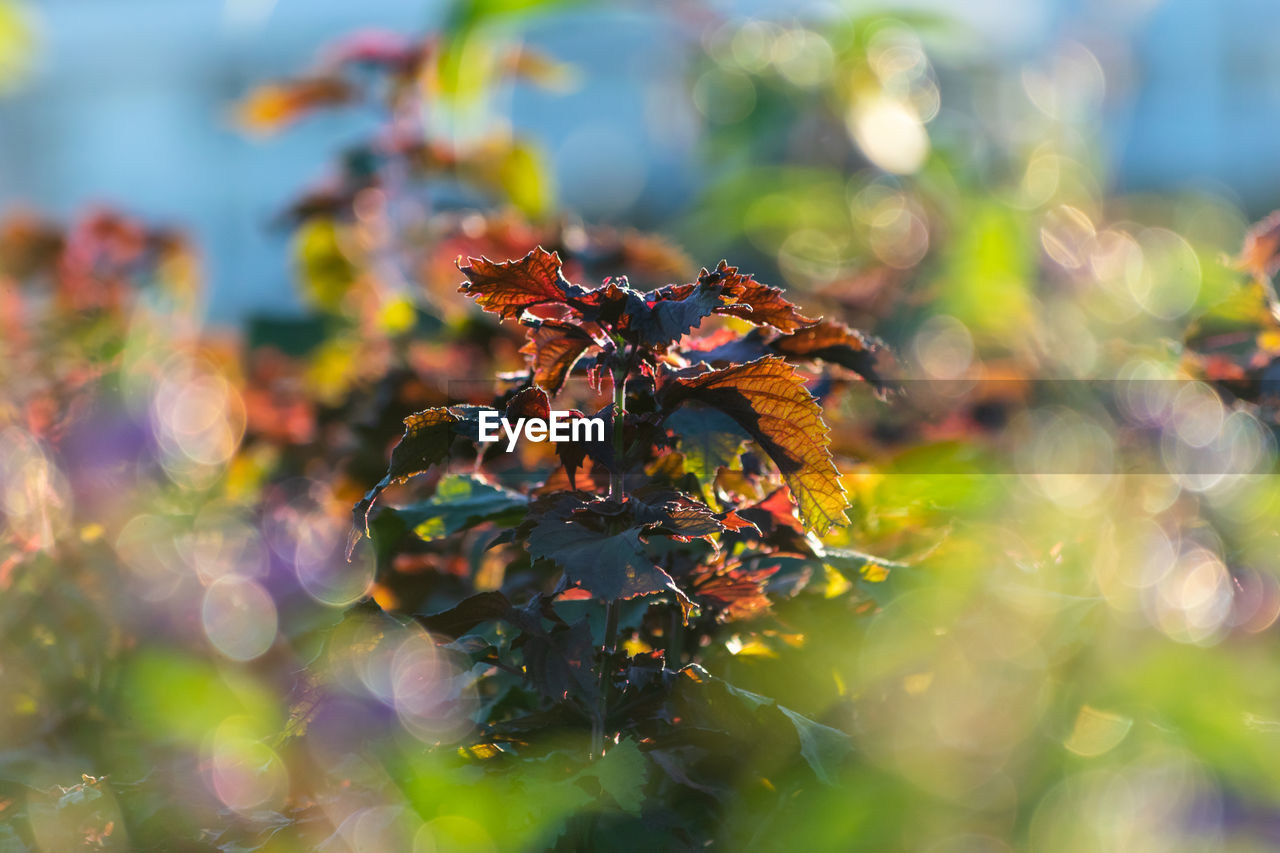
x,y
1260,255
270,108
756,302
507,288
552,350
835,343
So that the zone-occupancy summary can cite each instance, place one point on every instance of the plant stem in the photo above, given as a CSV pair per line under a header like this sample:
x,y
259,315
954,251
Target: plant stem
x,y
606,665
617,487
675,638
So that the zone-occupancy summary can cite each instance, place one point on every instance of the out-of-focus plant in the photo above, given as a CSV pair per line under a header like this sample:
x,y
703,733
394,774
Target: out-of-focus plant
x,y
1105,553
17,39
115,410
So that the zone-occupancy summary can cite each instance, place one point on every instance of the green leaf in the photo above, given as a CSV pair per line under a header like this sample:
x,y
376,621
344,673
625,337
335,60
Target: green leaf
x,y
823,748
462,501
709,439
426,440
622,774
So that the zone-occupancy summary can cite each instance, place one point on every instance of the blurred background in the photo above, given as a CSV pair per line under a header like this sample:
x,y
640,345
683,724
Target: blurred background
x,y
131,101
227,243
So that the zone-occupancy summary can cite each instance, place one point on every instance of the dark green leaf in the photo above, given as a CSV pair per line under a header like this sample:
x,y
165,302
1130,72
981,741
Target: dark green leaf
x,y
609,567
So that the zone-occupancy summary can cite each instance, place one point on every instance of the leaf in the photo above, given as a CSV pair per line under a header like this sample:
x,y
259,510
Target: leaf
x,y
755,302
462,501
610,567
835,343
559,662
426,440
326,271
679,515
768,400
573,453
622,774
509,287
270,108
1260,254
552,350
823,748
708,438
468,613
733,592
741,296
521,175
825,340
775,512
529,402
661,320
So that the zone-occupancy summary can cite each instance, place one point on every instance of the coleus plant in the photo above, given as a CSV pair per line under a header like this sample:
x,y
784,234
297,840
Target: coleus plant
x,y
670,525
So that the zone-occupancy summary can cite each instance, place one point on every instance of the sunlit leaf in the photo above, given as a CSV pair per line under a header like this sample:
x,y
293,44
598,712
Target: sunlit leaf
x,y
708,438
741,296
768,400
835,343
274,106
509,287
661,321
755,302
426,440
552,350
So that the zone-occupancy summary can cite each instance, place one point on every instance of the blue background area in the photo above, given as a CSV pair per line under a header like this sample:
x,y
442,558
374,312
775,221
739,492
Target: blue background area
x,y
129,102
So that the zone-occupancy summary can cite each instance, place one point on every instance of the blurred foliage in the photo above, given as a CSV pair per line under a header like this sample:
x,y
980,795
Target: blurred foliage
x,y
1062,640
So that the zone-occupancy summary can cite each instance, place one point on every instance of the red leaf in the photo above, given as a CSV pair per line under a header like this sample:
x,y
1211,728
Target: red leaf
x,y
756,302
552,350
835,343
